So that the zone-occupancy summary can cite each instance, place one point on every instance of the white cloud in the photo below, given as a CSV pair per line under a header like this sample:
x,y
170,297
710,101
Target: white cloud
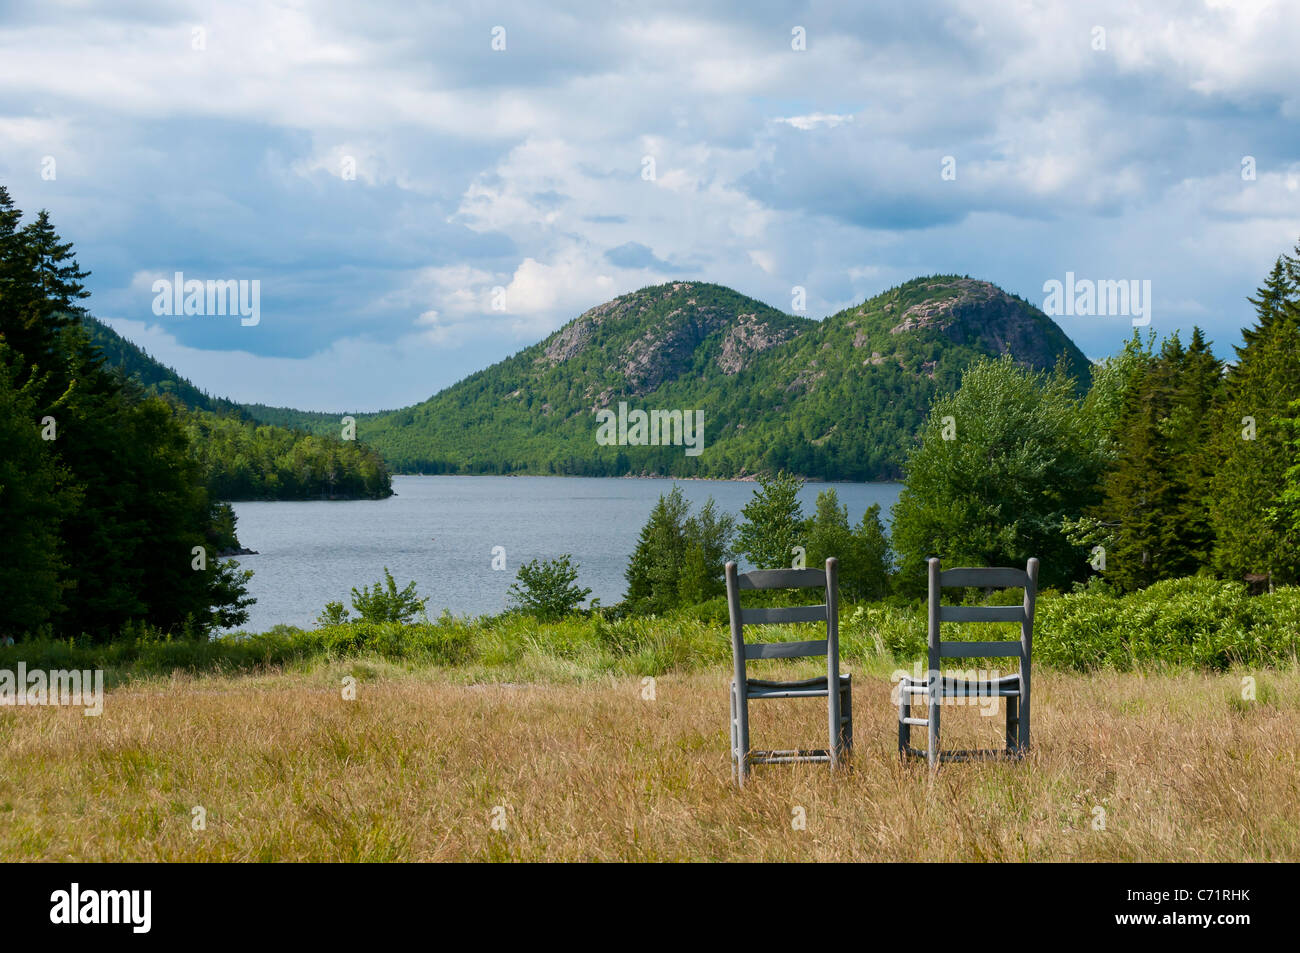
x,y
813,120
522,169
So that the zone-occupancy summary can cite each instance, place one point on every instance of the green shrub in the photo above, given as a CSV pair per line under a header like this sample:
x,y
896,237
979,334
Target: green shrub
x,y
884,630
446,642
1190,623
382,603
335,613
546,589
1195,621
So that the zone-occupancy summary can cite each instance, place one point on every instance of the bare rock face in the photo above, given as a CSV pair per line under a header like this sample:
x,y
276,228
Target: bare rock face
x,y
684,319
942,312
981,314
663,352
747,337
568,341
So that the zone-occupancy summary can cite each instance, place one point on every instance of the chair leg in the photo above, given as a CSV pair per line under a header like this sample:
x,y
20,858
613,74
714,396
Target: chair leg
x,y
739,735
1025,699
846,711
731,721
1013,722
932,751
904,711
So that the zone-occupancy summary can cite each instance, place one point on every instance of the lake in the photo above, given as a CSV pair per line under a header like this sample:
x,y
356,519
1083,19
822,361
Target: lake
x,y
441,530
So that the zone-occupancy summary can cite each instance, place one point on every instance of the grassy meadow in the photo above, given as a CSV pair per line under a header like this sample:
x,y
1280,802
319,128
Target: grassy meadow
x,y
513,739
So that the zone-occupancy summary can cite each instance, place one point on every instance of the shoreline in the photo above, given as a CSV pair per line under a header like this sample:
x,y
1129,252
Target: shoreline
x,y
648,476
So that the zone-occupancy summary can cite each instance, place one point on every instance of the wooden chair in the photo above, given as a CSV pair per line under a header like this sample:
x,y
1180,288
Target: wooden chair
x,y
743,688
935,687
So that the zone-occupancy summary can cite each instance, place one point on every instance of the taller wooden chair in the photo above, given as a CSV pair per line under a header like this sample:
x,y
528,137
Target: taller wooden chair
x,y
839,701
936,687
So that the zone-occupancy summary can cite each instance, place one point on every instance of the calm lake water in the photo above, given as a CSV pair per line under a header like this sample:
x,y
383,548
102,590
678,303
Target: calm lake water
x,y
440,531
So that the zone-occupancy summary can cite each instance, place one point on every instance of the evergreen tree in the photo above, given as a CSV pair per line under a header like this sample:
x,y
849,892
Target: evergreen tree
x,y
1252,451
774,522
33,498
708,539
1270,302
133,537
654,572
679,556
863,552
829,535
873,556
1199,391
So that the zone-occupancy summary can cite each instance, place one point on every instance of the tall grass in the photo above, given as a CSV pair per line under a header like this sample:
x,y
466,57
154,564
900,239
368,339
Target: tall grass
x,y
1183,623
1173,767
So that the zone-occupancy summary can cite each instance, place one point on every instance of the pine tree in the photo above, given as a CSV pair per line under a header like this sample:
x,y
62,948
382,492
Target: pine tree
x,y
708,536
33,499
653,574
1270,302
1252,451
1199,391
872,552
1154,505
829,535
774,522
679,556
136,507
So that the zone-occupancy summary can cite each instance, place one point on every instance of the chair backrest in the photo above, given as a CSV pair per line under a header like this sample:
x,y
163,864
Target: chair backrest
x,y
995,578
827,612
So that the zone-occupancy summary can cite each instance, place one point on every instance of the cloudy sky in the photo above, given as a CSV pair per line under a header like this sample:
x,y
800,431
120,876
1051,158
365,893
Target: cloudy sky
x,y
424,189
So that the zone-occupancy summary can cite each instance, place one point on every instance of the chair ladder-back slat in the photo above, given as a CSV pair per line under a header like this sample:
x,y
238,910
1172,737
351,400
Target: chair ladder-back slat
x,y
995,577
762,650
783,579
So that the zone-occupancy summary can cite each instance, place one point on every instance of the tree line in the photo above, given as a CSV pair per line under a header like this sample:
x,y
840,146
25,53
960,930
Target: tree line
x,y
1169,464
680,555
105,515
1172,464
246,461
246,458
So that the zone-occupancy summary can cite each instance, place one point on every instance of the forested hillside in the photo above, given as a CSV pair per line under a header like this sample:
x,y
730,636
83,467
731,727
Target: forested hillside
x,y
840,398
1172,466
242,458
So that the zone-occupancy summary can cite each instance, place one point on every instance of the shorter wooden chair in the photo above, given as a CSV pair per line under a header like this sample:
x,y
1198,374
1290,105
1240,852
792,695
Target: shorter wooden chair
x,y
936,687
839,702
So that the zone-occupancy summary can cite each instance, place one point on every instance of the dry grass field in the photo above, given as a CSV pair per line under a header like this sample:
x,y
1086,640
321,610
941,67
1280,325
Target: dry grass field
x,y
413,769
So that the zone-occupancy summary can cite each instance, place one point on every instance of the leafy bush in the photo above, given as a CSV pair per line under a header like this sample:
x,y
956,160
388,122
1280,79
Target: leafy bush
x,y
446,642
381,603
1195,621
1192,622
335,613
547,589
1000,465
884,630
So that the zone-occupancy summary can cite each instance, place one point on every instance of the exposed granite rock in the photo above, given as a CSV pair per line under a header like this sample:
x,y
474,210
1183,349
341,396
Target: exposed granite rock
x,y
981,314
568,341
747,337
